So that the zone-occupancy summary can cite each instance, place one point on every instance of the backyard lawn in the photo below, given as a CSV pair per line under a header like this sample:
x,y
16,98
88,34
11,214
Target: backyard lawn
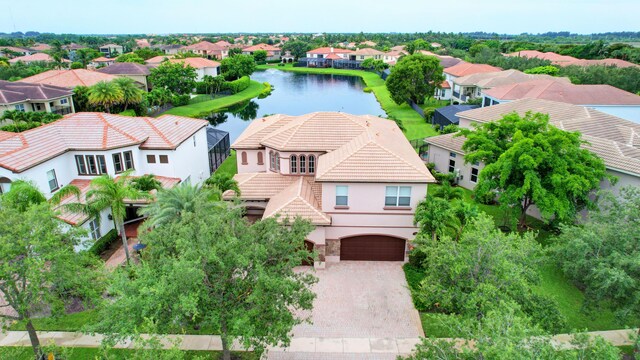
x,y
229,165
552,283
203,108
415,125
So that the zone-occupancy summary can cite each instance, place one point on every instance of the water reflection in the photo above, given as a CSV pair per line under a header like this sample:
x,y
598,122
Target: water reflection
x,y
297,94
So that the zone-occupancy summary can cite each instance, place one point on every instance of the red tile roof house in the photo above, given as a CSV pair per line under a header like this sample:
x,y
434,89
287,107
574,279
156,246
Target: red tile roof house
x,y
23,96
69,78
356,178
37,57
273,53
136,72
8,51
81,146
615,140
461,69
605,98
564,60
101,62
327,57
203,66
217,51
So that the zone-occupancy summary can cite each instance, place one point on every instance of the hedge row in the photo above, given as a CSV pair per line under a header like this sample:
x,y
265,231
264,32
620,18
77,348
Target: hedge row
x,y
104,242
238,85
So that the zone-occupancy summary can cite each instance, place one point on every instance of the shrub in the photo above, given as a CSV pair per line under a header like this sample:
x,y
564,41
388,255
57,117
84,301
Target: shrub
x,y
104,242
367,89
239,85
180,100
76,65
201,87
266,91
20,126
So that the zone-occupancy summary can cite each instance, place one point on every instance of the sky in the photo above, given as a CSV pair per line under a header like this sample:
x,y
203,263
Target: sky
x,y
352,16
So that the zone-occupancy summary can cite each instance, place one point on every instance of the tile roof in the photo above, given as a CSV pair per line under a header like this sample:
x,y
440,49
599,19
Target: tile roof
x,y
615,140
265,47
564,60
94,131
40,47
506,77
328,50
158,59
252,136
465,68
333,56
374,156
260,186
69,78
125,69
197,62
204,46
35,57
551,89
298,199
368,51
103,59
84,186
14,49
12,92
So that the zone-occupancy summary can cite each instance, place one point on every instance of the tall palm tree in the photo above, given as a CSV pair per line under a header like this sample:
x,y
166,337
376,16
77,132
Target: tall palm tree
x,y
172,203
106,94
131,94
106,192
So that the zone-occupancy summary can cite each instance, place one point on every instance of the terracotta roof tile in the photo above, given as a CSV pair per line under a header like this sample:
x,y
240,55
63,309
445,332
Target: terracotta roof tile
x,y
94,131
69,78
197,62
125,69
298,199
465,68
35,57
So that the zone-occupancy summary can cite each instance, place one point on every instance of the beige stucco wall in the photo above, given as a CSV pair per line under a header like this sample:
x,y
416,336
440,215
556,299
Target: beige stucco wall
x,y
440,157
252,161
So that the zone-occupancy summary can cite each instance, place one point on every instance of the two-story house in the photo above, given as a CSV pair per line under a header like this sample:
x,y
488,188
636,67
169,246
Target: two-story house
x,y
23,96
273,53
356,178
81,146
111,50
613,139
461,93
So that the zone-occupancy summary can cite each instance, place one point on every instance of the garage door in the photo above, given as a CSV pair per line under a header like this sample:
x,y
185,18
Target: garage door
x,y
372,248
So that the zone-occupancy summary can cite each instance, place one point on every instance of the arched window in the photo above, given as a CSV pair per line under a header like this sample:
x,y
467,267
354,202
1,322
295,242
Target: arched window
x,y
260,158
244,158
278,161
272,160
293,166
312,164
303,165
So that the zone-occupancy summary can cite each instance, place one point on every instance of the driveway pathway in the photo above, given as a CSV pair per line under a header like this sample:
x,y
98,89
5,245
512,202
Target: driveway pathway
x,y
362,299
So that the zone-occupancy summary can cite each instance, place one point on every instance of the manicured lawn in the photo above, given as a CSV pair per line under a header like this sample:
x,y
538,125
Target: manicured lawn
x,y
25,353
129,112
203,108
229,165
552,283
415,125
67,322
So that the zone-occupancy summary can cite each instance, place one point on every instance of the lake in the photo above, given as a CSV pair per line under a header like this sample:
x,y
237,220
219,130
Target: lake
x,y
298,94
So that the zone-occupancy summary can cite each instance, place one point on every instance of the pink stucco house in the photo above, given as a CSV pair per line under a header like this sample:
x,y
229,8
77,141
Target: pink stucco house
x,y
356,178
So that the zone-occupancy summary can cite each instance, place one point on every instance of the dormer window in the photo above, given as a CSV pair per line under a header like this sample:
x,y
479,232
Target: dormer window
x,y
293,166
312,164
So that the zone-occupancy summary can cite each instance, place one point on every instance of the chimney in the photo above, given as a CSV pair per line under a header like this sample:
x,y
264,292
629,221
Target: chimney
x,y
332,49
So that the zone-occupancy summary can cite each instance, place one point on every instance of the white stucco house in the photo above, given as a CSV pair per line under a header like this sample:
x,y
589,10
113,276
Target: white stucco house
x,y
613,139
356,178
81,146
203,66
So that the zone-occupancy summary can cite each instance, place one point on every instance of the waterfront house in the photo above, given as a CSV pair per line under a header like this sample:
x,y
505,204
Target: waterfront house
x,y
203,66
356,178
366,53
461,69
273,53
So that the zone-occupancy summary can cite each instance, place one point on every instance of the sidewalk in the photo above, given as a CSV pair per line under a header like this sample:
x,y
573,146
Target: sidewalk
x,y
375,348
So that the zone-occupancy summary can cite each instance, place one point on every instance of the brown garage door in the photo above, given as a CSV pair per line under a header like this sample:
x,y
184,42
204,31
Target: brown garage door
x,y
372,248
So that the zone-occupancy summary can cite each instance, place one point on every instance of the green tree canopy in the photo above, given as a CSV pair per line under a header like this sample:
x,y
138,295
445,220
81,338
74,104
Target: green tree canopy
x,y
528,161
547,70
201,272
414,78
297,48
131,93
602,255
260,55
485,267
235,67
131,58
175,77
40,270
105,94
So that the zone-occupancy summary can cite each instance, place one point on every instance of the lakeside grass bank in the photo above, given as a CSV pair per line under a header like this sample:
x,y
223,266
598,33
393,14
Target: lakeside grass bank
x,y
415,125
204,108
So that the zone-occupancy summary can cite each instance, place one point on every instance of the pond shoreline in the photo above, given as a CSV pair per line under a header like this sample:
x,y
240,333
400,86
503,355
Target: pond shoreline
x,y
415,125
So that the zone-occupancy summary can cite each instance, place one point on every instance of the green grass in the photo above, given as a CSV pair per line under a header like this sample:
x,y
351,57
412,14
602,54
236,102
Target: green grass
x,y
67,322
204,108
25,353
129,112
415,125
229,165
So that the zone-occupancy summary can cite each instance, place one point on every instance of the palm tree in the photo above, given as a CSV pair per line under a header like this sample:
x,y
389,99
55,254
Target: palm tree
x,y
105,94
131,94
172,203
106,192
448,192
223,182
146,183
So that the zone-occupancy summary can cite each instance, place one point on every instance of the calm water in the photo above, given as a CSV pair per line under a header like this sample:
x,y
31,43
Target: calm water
x,y
298,94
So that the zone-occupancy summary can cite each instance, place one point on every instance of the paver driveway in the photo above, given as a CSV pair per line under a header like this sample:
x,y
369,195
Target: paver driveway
x,y
362,299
